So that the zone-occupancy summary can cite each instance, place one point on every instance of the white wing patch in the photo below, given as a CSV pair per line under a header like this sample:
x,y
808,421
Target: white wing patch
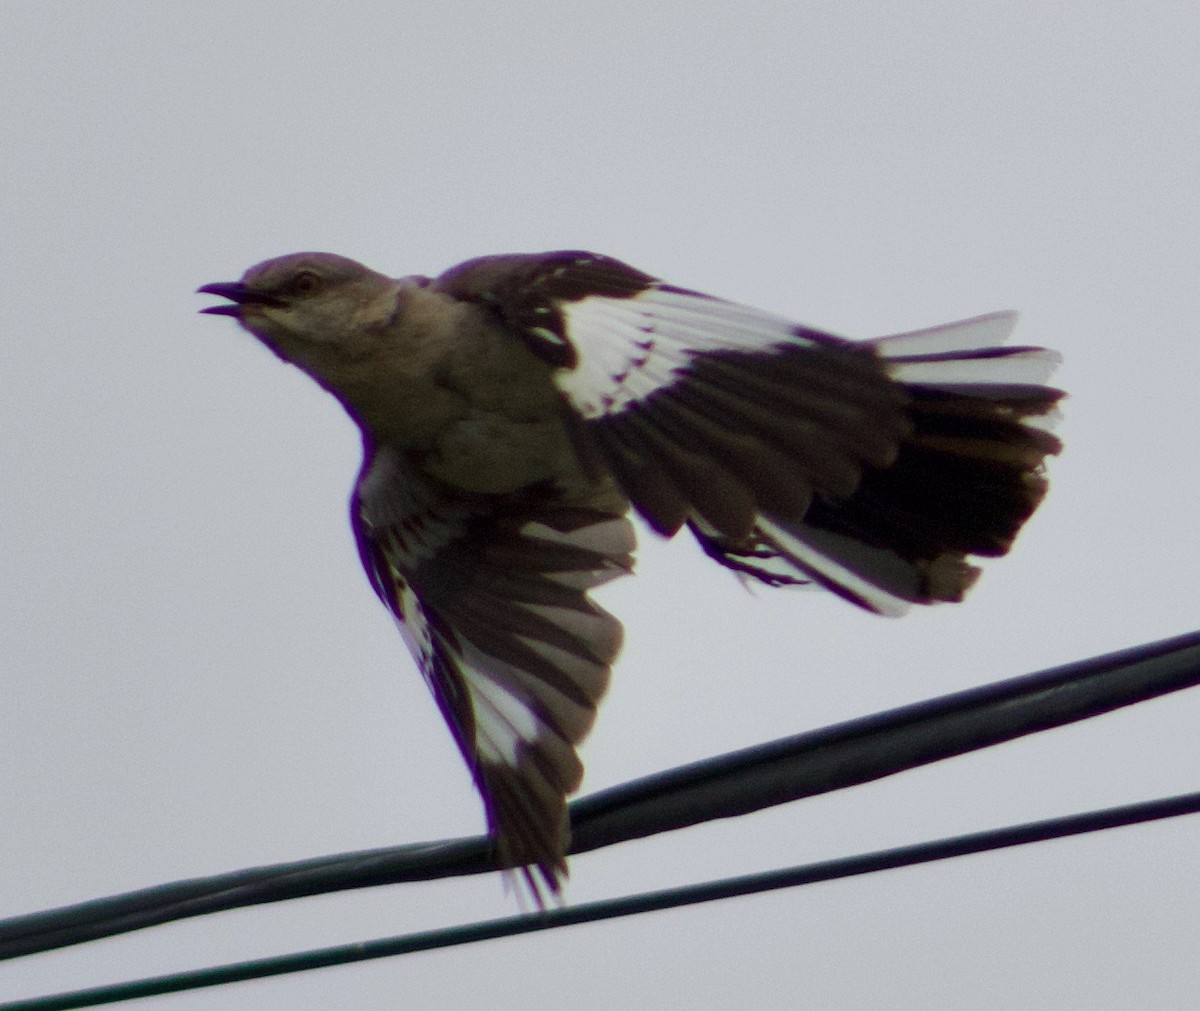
x,y
629,347
414,629
504,698
493,607
504,719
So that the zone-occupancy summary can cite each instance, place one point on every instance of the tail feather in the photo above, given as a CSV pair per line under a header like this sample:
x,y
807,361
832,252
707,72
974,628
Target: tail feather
x,y
968,352
966,478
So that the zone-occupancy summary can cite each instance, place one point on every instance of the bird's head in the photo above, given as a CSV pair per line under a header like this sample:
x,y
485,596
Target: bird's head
x,y
310,308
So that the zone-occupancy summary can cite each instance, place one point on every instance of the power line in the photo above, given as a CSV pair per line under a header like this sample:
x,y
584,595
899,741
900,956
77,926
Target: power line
x,y
820,761
673,898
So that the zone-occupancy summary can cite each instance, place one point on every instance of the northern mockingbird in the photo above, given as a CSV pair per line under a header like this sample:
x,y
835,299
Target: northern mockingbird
x,y
515,408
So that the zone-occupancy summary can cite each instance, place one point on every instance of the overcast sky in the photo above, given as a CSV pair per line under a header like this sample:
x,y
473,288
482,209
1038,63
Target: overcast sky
x,y
197,676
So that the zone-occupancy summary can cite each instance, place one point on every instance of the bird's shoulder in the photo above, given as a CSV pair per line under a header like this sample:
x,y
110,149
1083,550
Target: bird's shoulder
x,y
528,291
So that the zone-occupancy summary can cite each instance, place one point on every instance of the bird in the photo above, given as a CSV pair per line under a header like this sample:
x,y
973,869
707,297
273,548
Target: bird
x,y
517,410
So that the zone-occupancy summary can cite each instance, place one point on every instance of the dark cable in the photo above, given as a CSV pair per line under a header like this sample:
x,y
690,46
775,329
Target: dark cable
x,y
817,762
671,898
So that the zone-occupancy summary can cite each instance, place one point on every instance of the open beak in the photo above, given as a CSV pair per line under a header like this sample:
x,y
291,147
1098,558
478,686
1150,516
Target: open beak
x,y
238,294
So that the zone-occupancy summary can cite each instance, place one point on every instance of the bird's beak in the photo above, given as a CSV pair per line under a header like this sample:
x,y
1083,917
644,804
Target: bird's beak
x,y
238,294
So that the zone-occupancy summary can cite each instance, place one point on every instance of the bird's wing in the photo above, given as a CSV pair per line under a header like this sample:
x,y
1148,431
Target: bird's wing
x,y
758,433
704,408
491,597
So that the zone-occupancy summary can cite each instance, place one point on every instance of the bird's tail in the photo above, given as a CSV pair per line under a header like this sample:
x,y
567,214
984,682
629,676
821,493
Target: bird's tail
x,y
966,477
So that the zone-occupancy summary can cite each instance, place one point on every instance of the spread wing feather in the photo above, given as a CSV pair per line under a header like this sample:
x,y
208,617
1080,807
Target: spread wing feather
x,y
491,597
872,468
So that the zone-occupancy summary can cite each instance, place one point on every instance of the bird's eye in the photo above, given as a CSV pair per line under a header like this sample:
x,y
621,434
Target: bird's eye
x,y
306,282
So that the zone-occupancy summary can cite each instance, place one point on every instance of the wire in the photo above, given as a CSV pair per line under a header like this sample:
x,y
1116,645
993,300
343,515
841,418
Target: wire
x,y
722,787
672,898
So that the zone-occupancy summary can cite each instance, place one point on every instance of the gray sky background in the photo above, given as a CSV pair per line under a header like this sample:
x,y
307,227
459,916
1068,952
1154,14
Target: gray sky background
x,y
196,675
